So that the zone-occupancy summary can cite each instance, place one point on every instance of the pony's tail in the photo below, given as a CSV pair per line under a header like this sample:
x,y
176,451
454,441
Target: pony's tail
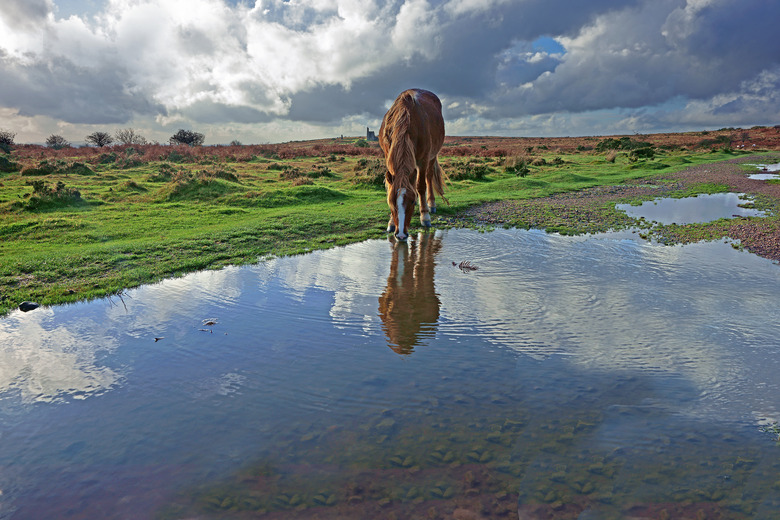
x,y
437,180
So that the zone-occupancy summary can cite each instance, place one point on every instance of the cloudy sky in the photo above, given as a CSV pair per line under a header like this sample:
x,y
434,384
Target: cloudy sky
x,y
263,71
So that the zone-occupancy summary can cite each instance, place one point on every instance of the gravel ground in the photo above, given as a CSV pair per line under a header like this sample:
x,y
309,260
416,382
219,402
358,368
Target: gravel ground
x,y
593,210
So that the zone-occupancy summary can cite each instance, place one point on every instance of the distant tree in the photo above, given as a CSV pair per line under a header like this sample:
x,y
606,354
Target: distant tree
x,y
235,142
57,142
6,140
129,136
99,139
187,137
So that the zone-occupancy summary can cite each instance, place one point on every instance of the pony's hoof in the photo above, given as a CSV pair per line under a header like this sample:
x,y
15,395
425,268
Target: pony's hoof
x,y
391,229
426,223
433,209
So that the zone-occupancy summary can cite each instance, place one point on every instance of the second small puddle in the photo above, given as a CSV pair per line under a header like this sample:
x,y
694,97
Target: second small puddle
x,y
690,210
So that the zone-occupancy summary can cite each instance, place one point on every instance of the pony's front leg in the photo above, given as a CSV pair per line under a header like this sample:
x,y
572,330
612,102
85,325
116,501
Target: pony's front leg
x,y
422,191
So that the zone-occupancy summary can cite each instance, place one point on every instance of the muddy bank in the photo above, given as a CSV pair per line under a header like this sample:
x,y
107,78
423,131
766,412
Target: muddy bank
x,y
593,210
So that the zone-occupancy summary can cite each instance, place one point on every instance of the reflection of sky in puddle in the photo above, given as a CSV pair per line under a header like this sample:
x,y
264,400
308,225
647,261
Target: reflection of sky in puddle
x,y
645,342
689,210
766,174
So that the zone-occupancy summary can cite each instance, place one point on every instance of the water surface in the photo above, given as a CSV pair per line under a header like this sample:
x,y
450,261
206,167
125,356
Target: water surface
x,y
690,210
566,376
768,170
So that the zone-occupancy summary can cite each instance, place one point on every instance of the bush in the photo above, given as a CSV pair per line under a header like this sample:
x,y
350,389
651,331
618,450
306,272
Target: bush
x,y
57,142
7,165
470,170
517,166
107,158
44,196
372,173
187,137
7,140
624,143
642,153
99,139
129,136
44,168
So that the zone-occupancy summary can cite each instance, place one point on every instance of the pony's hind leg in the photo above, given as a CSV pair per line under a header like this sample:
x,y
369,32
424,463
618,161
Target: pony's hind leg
x,y
422,190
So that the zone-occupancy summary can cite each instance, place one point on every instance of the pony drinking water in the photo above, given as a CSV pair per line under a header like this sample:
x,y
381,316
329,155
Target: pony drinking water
x,y
411,136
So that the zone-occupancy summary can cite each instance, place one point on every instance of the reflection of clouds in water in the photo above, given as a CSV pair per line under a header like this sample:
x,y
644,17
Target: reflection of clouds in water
x,y
621,305
46,364
154,307
354,274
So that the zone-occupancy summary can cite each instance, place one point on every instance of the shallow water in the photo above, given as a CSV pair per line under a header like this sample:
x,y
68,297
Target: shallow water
x,y
768,169
689,210
566,376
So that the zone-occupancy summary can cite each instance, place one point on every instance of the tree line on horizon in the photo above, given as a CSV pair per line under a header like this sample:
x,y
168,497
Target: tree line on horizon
x,y
125,136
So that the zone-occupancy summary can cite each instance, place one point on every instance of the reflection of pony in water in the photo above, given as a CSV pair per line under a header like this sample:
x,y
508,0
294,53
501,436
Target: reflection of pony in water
x,y
409,307
411,136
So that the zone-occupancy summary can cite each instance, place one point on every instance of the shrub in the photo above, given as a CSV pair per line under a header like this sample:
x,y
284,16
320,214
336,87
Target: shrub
x,y
78,168
642,153
361,143
44,168
165,172
107,158
516,165
7,165
99,139
624,143
187,137
44,196
7,140
470,170
129,136
57,142
372,173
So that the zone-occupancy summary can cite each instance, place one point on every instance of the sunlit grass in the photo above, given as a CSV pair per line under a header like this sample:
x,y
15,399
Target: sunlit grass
x,y
146,222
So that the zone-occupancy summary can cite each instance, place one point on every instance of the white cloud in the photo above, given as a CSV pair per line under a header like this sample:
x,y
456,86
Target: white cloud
x,y
208,62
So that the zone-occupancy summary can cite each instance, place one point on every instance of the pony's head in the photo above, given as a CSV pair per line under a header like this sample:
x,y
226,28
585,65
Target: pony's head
x,y
401,201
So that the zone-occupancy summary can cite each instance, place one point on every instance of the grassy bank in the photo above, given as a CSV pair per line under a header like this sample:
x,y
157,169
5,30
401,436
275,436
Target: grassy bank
x,y
80,224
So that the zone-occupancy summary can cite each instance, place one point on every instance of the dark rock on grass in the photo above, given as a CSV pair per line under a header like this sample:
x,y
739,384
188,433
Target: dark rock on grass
x,y
28,306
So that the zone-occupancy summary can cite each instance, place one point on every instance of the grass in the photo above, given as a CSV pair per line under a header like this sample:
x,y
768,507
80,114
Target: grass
x,y
140,222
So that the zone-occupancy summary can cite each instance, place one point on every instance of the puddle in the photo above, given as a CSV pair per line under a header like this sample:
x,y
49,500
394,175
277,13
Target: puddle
x,y
689,210
766,172
566,377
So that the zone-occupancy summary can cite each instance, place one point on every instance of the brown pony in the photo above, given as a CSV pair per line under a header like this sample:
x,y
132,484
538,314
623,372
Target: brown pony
x,y
411,136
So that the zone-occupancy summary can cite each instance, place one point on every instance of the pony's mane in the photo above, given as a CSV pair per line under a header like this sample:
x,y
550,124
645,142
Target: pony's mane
x,y
400,159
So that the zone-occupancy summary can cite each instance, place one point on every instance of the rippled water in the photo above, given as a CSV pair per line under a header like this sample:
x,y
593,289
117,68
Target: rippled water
x,y
565,377
769,172
689,210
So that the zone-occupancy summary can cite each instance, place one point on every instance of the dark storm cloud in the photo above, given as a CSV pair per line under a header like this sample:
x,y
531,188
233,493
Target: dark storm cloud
x,y
74,94
210,112
26,14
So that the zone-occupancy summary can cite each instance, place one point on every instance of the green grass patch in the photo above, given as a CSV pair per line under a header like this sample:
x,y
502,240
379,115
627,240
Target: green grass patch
x,y
75,230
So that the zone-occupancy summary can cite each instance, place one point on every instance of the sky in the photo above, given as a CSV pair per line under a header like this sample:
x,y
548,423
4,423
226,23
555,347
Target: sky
x,y
268,71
